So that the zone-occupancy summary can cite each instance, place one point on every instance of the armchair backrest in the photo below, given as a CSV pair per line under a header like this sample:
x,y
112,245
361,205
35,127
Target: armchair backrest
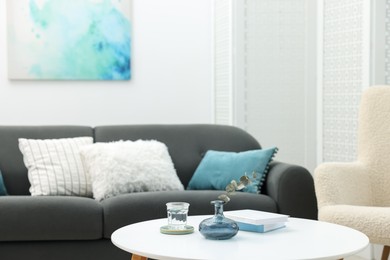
x,y
374,140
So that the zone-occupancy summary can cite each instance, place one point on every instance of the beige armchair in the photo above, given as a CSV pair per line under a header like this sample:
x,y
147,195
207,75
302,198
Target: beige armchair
x,y
357,194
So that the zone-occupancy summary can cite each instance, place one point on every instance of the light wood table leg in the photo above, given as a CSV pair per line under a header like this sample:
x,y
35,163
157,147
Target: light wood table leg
x,y
138,257
385,252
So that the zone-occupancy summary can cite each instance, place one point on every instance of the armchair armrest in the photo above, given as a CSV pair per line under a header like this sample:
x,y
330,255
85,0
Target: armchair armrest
x,y
342,183
292,188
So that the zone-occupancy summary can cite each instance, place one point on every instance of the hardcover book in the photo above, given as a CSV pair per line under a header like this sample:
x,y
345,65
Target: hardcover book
x,y
256,217
260,228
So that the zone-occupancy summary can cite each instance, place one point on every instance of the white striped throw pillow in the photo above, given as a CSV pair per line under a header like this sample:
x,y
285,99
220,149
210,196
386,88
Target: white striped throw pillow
x,y
55,166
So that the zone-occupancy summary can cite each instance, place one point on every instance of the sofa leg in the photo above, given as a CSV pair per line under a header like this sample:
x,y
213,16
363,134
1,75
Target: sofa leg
x,y
385,253
137,257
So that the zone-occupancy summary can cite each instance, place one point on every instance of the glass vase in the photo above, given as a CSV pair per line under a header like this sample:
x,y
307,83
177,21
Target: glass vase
x,y
218,227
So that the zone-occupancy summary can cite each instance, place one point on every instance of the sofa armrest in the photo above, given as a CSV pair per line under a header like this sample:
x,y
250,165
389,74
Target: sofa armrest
x,y
342,183
292,188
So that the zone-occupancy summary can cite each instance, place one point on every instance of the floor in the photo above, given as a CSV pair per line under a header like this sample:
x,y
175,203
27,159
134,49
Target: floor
x,y
365,254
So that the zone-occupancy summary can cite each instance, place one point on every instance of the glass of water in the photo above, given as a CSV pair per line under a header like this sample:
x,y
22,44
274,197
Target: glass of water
x,y
177,215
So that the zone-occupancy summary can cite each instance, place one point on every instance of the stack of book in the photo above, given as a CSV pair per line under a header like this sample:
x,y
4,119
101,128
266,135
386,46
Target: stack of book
x,y
257,221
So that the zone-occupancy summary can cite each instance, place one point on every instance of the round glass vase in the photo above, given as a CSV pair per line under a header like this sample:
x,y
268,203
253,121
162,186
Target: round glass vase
x,y
218,227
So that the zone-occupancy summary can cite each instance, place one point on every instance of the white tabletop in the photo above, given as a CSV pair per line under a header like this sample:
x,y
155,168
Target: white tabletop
x,y
300,239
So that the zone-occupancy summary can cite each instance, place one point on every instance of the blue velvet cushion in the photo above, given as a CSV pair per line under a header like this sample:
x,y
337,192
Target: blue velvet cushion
x,y
217,169
3,191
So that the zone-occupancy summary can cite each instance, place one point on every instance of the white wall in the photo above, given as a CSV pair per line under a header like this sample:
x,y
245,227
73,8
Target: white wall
x,y
171,75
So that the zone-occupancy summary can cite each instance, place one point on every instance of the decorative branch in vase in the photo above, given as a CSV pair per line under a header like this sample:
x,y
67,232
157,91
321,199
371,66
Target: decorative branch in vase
x,y
233,186
219,227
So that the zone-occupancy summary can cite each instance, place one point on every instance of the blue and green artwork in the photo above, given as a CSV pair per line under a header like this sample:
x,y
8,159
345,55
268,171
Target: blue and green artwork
x,y
69,39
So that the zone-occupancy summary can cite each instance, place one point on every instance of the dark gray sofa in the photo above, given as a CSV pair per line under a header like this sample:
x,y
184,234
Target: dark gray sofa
x,y
80,228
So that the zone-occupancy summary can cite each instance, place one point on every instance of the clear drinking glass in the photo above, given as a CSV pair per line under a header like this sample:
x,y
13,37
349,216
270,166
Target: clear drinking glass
x,y
177,215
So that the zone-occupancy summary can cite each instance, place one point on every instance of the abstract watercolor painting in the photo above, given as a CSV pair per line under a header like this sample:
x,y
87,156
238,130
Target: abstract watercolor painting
x,y
69,39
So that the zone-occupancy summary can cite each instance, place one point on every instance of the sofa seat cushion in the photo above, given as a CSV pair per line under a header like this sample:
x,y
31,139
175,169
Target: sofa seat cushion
x,y
27,218
135,207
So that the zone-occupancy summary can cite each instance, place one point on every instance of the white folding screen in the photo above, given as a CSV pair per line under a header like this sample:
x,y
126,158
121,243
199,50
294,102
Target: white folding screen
x,y
265,73
272,75
268,83
380,40
223,37
344,72
387,42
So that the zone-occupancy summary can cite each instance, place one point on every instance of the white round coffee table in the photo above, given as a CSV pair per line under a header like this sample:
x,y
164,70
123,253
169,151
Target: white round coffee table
x,y
300,239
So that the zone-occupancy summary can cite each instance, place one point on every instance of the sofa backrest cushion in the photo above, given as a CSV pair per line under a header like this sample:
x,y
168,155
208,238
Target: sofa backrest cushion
x,y
187,144
11,159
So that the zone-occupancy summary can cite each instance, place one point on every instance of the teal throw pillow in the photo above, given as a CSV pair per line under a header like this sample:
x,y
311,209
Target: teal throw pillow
x,y
3,190
217,169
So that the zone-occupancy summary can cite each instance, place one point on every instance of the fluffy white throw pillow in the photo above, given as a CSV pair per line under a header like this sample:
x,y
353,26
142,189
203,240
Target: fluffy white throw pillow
x,y
55,166
126,166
